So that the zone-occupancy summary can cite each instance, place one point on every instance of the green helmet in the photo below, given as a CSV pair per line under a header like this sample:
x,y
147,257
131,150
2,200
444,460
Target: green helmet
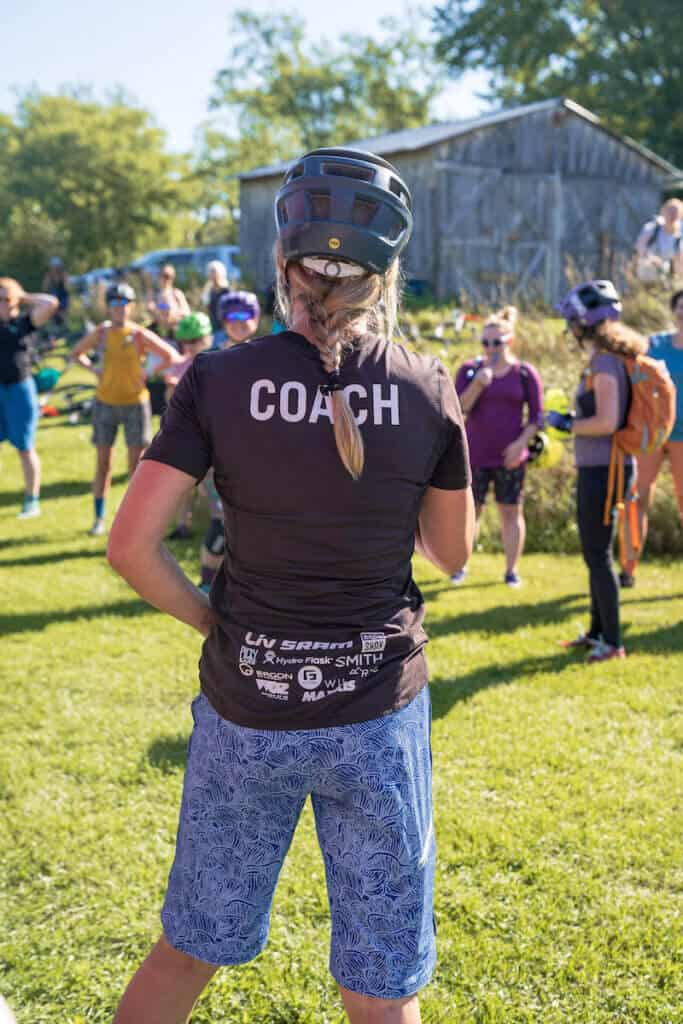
x,y
193,326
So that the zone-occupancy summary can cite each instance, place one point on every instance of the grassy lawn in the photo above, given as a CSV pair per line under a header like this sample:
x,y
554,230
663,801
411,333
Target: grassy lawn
x,y
558,790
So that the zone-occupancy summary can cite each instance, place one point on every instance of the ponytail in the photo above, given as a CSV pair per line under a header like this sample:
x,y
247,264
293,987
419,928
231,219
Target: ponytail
x,y
332,315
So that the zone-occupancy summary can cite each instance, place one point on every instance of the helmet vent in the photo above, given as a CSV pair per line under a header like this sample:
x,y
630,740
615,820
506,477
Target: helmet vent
x,y
320,205
296,172
394,229
349,171
398,190
363,211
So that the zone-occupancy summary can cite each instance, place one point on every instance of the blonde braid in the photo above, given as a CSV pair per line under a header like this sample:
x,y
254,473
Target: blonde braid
x,y
337,312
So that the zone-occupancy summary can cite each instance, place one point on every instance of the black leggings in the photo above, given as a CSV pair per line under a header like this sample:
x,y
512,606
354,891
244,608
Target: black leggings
x,y
596,545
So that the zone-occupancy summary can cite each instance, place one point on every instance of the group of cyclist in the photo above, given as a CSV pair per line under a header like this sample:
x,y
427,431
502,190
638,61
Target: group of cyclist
x,y
321,521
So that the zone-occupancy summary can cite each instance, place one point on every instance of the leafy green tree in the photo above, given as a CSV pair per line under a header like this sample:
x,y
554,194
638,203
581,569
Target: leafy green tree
x,y
622,59
90,180
279,94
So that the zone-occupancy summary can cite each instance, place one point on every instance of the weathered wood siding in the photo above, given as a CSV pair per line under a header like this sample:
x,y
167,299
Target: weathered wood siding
x,y
505,210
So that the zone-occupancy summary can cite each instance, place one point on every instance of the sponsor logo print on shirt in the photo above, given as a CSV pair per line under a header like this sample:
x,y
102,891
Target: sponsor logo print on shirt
x,y
273,689
248,656
309,677
373,642
331,686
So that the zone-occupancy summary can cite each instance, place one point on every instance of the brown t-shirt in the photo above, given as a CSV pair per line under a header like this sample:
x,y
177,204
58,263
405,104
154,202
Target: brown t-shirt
x,y
319,619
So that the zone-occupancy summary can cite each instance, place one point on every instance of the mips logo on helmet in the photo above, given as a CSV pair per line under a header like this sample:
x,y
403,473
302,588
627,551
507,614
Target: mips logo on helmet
x,y
334,243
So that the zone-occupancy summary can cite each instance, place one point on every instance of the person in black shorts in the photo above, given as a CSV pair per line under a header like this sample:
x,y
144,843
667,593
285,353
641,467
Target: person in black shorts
x,y
336,453
503,400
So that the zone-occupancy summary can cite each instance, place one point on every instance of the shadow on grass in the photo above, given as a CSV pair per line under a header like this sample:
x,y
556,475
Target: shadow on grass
x,y
445,693
168,753
665,640
506,618
58,489
54,557
433,588
32,622
31,541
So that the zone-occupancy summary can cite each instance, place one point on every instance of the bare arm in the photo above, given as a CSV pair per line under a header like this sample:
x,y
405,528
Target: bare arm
x,y
40,307
183,304
151,342
471,394
136,551
79,352
606,419
445,533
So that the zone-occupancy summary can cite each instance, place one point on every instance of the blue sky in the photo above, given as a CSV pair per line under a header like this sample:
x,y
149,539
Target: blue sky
x,y
165,54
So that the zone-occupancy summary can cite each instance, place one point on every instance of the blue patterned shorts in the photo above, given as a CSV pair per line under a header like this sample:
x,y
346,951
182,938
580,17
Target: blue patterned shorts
x,y
370,787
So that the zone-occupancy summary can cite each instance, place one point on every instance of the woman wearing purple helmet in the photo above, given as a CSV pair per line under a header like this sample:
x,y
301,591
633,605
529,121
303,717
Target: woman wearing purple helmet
x,y
335,452
592,312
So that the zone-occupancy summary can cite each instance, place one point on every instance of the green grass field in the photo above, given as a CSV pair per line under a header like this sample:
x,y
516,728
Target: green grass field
x,y
558,790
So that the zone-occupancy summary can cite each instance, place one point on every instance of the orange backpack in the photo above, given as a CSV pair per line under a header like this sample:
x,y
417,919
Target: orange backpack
x,y
649,421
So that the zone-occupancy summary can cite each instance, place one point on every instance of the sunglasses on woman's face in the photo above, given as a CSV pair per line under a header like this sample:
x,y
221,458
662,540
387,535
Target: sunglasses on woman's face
x,y
495,343
118,302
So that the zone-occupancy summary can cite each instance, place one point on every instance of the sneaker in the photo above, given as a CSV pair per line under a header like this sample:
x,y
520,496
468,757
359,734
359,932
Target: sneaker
x,y
626,579
512,579
582,640
459,577
605,652
97,529
30,508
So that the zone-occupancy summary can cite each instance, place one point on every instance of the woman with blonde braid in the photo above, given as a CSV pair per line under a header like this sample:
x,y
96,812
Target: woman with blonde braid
x,y
336,453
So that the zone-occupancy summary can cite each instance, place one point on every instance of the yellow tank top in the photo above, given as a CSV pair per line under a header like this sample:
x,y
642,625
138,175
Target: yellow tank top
x,y
122,381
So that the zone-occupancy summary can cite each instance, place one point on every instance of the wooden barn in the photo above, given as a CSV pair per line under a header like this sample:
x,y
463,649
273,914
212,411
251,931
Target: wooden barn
x,y
504,203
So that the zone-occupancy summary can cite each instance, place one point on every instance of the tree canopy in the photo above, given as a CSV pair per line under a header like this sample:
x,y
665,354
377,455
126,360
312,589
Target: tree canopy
x,y
88,181
622,59
279,94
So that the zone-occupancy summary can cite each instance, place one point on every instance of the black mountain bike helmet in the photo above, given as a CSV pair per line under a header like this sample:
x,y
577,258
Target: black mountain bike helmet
x,y
343,206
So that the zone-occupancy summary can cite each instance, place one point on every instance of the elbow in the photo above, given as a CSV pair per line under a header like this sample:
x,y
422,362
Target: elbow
x,y
121,553
116,555
452,557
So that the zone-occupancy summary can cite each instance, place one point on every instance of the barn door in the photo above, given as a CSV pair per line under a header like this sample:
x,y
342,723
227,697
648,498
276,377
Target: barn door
x,y
497,233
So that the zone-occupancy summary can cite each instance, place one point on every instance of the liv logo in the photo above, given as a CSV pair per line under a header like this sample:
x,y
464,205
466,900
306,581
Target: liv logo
x,y
261,640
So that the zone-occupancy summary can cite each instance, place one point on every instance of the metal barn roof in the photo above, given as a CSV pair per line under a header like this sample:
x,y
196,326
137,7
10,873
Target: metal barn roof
x,y
412,139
